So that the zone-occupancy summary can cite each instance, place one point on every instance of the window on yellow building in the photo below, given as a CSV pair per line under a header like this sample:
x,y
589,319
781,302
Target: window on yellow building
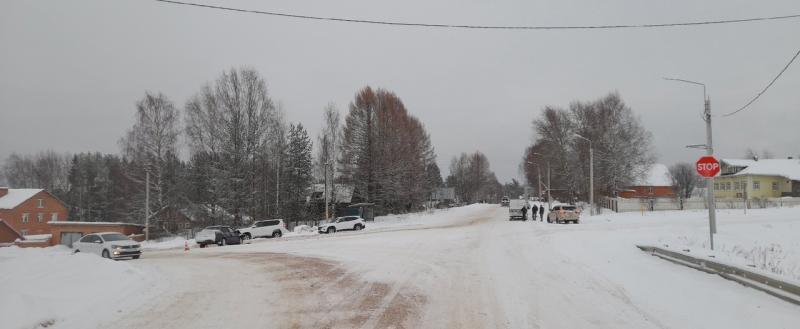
x,y
774,186
756,185
728,185
735,185
716,186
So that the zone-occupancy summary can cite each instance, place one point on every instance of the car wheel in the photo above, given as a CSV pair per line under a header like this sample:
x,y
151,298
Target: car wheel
x,y
331,230
106,254
277,234
223,242
357,227
202,245
135,257
247,236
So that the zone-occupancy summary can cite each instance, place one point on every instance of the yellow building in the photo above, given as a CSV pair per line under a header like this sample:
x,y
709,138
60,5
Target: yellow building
x,y
758,179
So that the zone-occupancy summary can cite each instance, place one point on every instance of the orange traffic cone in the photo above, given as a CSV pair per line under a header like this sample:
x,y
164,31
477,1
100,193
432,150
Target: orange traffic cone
x,y
186,246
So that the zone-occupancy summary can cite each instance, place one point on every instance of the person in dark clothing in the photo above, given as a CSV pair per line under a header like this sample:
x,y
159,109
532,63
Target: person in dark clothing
x,y
541,213
524,213
533,213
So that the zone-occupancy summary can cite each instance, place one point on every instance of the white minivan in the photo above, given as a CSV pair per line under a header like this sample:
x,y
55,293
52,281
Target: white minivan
x,y
110,245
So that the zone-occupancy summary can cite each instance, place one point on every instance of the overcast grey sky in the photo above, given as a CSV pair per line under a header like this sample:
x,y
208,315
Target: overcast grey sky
x,y
71,71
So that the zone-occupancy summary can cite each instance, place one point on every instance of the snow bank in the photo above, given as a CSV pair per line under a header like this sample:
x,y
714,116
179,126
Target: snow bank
x,y
302,230
765,239
53,286
168,243
438,216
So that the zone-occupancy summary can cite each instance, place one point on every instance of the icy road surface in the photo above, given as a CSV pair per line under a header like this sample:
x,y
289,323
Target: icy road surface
x,y
462,268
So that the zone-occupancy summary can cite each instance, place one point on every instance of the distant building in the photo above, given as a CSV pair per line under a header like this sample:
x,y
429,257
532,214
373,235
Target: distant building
x,y
29,210
758,178
656,184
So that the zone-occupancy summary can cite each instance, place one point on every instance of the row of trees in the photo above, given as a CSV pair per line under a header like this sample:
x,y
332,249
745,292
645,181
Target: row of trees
x,y
622,148
473,180
244,159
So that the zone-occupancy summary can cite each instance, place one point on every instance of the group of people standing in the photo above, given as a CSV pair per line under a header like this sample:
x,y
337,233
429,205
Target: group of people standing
x,y
534,210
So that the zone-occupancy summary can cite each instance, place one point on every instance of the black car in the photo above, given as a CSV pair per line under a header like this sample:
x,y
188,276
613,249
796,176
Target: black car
x,y
219,235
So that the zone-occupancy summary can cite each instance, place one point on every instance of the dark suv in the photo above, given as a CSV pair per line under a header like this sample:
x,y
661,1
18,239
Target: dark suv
x,y
219,235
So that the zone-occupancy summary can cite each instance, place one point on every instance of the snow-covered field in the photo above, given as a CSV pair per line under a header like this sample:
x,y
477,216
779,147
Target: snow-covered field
x,y
466,267
52,287
766,239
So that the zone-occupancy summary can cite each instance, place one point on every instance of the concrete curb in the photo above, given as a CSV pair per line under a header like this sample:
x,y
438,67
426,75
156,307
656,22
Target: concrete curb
x,y
787,291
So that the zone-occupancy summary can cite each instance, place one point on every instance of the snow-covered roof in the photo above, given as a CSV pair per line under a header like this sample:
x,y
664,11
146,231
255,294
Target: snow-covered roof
x,y
92,223
17,196
789,168
658,175
738,162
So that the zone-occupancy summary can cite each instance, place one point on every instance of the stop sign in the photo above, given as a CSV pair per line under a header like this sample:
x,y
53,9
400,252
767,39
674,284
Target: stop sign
x,y
707,166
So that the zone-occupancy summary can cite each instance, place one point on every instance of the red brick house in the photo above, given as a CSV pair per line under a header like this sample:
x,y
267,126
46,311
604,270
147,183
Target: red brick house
x,y
656,184
8,234
28,211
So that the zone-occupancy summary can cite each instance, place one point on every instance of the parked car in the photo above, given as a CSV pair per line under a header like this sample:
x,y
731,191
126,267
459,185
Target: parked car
x,y
504,202
263,228
515,209
564,214
343,223
219,235
112,245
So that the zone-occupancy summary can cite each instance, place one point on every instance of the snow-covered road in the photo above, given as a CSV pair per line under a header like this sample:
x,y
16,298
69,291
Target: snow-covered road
x,y
470,269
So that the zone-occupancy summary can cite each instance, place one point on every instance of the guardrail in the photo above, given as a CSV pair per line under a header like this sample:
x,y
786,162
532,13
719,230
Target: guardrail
x,y
787,291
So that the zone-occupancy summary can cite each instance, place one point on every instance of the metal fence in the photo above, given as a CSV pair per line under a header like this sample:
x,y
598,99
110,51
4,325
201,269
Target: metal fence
x,y
657,204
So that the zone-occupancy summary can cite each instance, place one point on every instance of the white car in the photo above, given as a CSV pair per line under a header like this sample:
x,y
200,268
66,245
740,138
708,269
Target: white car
x,y
110,245
343,223
263,228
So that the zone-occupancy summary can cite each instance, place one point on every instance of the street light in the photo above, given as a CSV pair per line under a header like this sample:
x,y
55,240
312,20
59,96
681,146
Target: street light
x,y
548,180
591,174
709,147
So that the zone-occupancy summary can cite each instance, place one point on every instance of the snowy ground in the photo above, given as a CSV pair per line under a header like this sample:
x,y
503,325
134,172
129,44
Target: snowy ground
x,y
766,239
465,267
52,287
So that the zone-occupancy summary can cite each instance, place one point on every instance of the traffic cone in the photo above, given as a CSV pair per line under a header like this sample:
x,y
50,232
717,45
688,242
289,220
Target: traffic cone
x,y
186,246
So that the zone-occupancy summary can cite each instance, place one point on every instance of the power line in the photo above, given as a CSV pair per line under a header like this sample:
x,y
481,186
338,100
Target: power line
x,y
486,27
767,87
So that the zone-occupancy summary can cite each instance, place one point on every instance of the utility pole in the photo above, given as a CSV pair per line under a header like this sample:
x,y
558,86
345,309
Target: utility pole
x,y
277,187
147,204
539,180
326,190
548,188
591,174
712,213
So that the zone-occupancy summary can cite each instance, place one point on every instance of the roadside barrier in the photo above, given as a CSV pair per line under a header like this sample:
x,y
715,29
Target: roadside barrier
x,y
787,291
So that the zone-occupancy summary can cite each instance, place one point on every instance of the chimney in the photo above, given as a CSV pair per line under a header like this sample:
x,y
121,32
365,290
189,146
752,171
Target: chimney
x,y
3,191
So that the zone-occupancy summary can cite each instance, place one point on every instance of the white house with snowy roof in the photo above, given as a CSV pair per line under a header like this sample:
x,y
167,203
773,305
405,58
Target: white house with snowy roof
x,y
758,178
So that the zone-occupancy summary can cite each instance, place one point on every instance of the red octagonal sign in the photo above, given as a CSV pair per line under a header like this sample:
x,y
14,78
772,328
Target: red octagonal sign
x,y
707,166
